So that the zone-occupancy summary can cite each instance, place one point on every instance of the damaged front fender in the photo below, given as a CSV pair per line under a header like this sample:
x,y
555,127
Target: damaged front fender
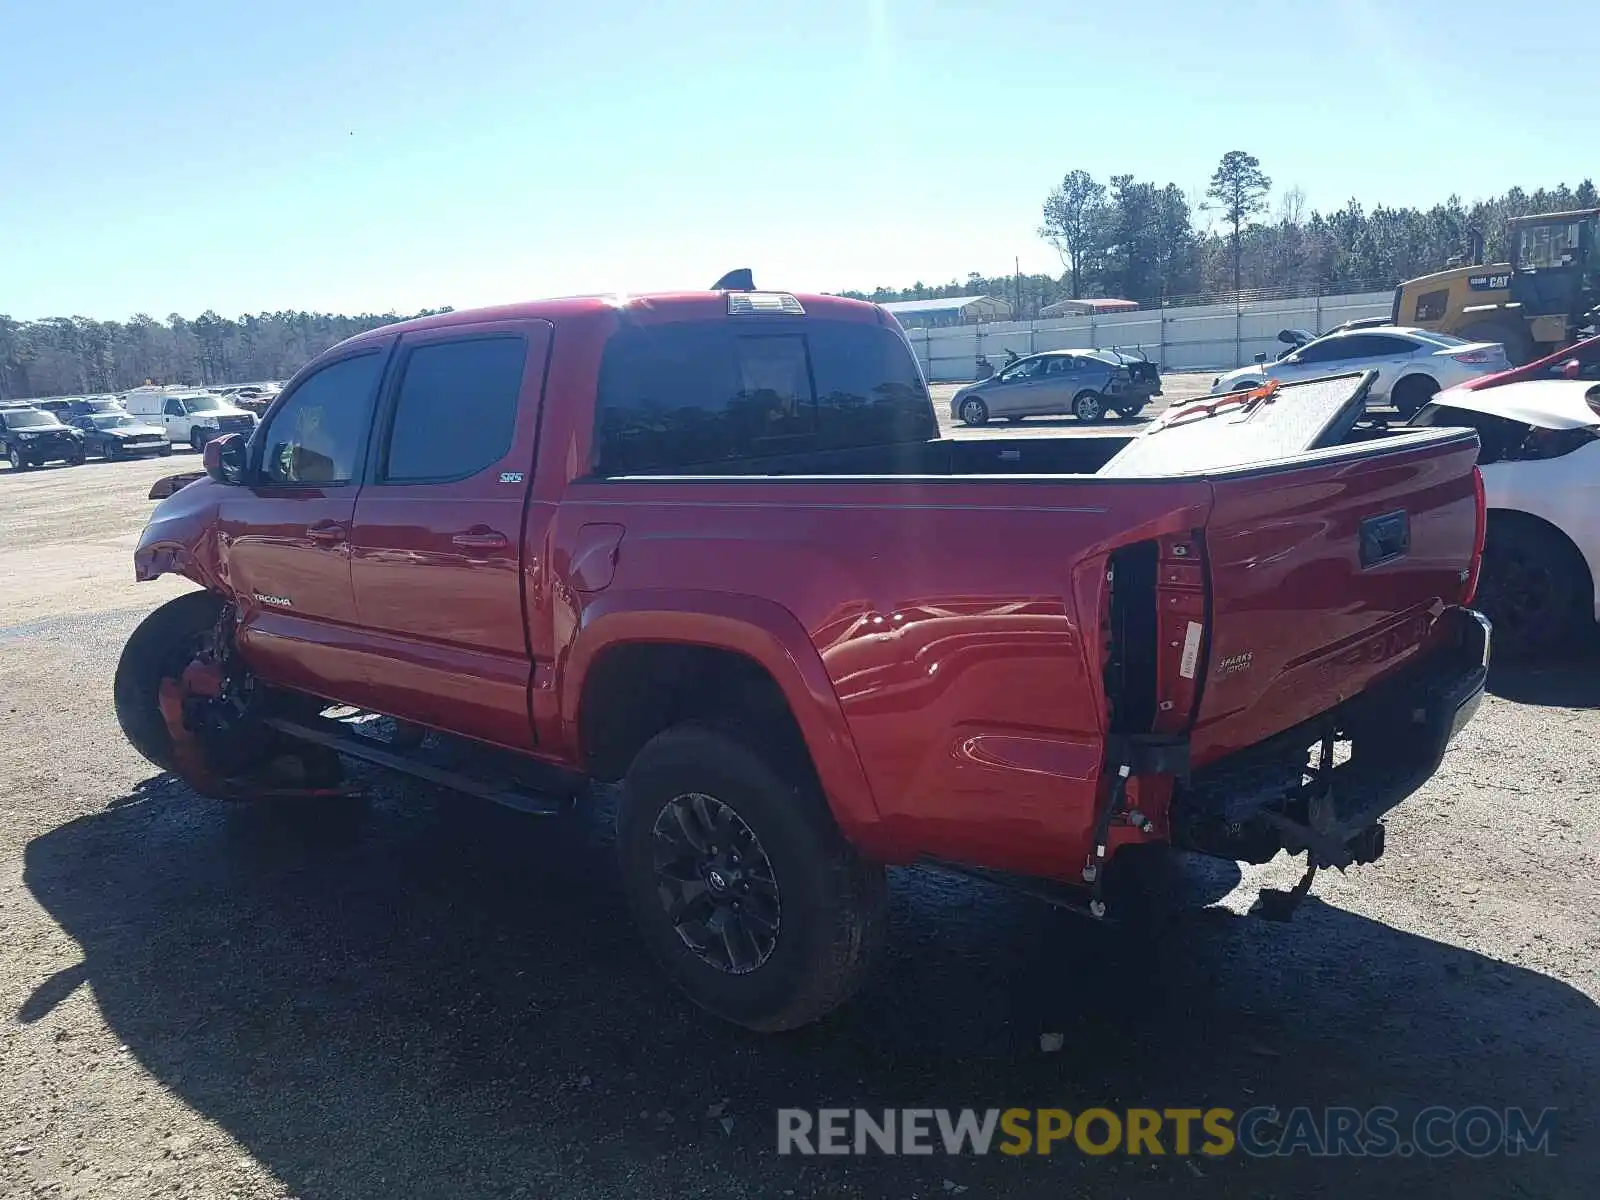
x,y
181,538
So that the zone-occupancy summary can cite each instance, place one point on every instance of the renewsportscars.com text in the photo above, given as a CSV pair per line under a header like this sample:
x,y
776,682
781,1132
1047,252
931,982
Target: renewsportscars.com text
x,y
1259,1132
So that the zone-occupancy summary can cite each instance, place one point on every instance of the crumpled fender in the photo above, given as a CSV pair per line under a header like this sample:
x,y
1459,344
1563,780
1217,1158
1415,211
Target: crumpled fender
x,y
181,538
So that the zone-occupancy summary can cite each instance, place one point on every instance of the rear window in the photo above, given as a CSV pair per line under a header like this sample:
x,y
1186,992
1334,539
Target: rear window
x,y
674,397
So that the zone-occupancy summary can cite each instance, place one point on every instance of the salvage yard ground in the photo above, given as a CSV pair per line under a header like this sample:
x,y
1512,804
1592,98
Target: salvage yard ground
x,y
425,996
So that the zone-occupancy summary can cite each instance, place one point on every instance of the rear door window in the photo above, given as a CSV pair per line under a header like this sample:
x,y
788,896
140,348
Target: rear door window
x,y
455,412
674,397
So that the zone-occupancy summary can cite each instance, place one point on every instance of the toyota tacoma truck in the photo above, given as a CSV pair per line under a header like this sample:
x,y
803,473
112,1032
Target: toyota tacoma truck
x,y
711,546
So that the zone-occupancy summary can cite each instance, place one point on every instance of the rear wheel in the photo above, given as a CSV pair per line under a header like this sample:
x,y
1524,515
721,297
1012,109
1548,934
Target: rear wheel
x,y
1088,406
744,890
974,411
1532,587
1412,392
1132,409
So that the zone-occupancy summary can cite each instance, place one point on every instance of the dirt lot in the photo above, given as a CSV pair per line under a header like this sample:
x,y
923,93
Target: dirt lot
x,y
424,996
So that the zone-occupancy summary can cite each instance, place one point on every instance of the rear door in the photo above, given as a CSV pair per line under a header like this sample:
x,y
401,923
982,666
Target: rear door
x,y
435,556
1386,354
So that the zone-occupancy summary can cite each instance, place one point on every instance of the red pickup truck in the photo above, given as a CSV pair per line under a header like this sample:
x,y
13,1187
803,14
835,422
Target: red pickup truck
x,y
713,545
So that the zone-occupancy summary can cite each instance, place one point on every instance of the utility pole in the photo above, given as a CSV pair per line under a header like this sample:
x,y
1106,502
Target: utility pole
x,y
1017,264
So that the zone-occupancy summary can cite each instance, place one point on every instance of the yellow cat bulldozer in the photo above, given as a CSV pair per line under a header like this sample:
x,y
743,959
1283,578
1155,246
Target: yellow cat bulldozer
x,y
1533,305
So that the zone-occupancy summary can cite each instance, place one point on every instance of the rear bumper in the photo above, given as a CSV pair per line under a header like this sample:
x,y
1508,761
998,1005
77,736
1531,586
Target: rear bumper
x,y
1252,804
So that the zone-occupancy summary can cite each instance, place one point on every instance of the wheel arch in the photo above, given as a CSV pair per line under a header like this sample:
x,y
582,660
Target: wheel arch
x,y
1589,566
675,639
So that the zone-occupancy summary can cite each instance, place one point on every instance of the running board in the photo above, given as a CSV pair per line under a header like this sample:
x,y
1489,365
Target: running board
x,y
411,762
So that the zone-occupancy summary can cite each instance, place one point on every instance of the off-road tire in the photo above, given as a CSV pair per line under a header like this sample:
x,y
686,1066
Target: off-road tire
x,y
833,903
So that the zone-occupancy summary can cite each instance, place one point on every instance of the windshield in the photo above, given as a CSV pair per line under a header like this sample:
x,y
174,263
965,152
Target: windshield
x,y
114,421
202,404
28,419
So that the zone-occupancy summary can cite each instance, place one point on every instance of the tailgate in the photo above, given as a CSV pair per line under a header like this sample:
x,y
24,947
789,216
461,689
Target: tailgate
x,y
1325,573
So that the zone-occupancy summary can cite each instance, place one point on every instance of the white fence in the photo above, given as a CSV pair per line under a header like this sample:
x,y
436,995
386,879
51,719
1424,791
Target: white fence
x,y
1180,339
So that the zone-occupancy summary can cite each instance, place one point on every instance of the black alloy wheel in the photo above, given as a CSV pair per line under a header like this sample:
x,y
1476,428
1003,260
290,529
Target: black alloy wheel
x,y
715,883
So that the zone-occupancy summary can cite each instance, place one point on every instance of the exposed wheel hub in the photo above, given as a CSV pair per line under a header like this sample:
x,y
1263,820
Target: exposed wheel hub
x,y
715,883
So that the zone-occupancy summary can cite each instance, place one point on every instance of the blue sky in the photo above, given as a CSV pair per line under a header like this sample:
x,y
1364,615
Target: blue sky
x,y
352,156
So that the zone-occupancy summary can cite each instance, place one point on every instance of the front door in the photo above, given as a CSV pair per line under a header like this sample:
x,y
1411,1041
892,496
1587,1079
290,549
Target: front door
x,y
1017,390
285,538
438,541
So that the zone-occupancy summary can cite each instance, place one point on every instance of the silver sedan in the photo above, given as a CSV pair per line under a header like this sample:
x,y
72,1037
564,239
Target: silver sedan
x,y
1079,382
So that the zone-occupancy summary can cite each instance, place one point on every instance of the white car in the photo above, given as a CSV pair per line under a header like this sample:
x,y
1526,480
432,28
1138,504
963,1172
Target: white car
x,y
1412,364
1540,460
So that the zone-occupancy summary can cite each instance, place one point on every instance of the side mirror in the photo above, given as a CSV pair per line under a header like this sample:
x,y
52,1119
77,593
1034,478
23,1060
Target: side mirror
x,y
1572,369
1261,357
224,458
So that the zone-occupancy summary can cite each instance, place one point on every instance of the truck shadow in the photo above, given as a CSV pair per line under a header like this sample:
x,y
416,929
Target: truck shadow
x,y
429,997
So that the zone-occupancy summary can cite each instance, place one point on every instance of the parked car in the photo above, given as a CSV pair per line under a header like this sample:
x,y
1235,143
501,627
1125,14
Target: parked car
x,y
1540,460
1412,364
701,543
118,435
254,398
89,405
190,417
1080,382
31,436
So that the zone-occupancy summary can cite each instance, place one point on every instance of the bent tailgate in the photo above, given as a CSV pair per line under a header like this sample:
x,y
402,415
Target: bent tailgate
x,y
1326,572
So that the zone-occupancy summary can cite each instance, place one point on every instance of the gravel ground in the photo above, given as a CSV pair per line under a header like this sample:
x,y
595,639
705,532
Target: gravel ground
x,y
419,995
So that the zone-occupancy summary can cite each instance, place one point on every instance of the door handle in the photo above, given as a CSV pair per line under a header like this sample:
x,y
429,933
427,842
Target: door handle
x,y
480,539
327,532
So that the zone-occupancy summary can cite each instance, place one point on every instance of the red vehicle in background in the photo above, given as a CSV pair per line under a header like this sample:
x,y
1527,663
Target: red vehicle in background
x,y
1581,360
711,545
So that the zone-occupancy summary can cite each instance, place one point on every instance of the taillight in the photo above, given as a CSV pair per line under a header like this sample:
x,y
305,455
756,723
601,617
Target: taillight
x,y
1479,534
1475,357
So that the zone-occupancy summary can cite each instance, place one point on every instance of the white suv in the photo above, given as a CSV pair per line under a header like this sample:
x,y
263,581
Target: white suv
x,y
1412,364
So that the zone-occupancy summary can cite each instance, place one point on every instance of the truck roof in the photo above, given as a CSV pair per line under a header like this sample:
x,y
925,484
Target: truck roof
x,y
648,308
